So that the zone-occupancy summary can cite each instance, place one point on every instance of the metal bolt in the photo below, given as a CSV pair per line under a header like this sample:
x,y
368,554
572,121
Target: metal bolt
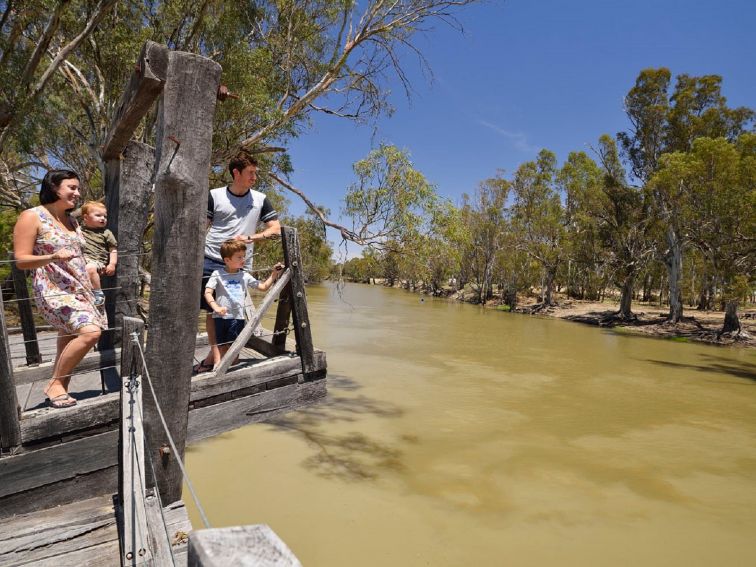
x,y
294,263
129,555
303,325
165,450
299,294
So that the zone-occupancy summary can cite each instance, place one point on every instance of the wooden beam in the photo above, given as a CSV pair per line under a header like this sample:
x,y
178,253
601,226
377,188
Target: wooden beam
x,y
132,488
47,423
144,86
30,470
25,313
128,195
57,536
92,361
216,419
184,140
10,429
298,300
65,491
159,544
251,325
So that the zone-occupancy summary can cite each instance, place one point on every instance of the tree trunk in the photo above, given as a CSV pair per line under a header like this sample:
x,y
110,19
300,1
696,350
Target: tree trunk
x,y
548,288
731,321
647,286
673,261
706,298
626,299
511,296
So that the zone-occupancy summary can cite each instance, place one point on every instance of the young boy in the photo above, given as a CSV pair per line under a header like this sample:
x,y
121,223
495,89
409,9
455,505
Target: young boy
x,y
100,246
230,287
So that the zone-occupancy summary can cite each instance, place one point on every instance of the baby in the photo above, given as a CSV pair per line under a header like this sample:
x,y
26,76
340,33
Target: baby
x,y
100,245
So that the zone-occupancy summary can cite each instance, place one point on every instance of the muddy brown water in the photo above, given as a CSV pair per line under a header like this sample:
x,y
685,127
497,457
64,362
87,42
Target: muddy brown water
x,y
456,436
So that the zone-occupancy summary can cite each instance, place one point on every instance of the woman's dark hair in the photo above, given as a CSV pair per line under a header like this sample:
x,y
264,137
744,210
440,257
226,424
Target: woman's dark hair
x,y
52,181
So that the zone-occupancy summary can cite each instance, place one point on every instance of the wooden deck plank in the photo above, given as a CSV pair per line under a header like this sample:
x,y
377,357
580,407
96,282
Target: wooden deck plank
x,y
66,535
216,419
82,533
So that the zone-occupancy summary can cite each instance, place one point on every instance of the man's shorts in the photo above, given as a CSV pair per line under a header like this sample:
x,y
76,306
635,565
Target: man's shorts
x,y
207,270
226,330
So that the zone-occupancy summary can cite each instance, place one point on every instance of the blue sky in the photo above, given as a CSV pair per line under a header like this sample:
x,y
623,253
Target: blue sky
x,y
527,75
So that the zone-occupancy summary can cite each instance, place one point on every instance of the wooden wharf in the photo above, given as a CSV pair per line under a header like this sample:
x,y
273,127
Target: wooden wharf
x,y
60,468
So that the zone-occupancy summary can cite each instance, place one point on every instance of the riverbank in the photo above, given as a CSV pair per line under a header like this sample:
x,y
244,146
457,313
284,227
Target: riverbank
x,y
650,319
698,326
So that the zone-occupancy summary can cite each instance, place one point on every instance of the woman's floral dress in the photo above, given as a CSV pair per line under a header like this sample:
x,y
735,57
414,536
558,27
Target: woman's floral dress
x,y
62,288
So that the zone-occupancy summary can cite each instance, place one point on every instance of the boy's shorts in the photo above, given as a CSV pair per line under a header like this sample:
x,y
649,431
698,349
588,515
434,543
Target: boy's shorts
x,y
226,330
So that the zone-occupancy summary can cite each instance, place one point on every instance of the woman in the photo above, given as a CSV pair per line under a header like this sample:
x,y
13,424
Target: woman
x,y
47,239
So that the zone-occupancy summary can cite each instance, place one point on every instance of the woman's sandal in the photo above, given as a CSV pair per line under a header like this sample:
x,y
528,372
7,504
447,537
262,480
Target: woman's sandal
x,y
201,367
62,401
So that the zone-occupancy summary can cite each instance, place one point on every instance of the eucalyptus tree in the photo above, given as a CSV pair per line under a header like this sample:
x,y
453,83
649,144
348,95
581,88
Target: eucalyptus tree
x,y
283,62
389,202
538,218
487,209
449,240
625,225
716,186
662,122
580,180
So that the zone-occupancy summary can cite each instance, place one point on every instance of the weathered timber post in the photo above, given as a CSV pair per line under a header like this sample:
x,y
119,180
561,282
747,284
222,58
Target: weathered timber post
x,y
25,313
130,202
128,172
10,428
184,138
131,466
294,301
240,545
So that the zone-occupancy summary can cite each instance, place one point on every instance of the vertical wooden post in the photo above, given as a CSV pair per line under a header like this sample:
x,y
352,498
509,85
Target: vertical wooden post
x,y
184,139
10,428
128,188
25,313
144,86
131,482
296,303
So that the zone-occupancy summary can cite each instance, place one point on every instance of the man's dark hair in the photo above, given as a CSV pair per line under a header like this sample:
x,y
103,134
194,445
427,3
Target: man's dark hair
x,y
240,161
51,182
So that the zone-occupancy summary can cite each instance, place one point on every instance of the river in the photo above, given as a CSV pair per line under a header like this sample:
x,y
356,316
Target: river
x,y
458,436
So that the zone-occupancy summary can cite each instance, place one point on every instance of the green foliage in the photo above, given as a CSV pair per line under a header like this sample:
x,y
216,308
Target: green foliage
x,y
390,199
713,188
538,217
315,249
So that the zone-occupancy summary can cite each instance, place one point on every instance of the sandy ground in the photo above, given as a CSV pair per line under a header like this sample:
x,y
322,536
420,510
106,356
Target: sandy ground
x,y
702,326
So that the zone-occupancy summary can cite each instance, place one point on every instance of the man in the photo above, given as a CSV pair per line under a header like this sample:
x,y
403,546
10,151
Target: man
x,y
233,212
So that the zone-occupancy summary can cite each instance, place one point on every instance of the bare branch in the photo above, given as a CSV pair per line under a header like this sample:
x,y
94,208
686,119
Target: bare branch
x,y
346,234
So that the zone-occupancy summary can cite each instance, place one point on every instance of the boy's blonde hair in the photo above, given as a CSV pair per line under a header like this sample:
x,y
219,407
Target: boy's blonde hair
x,y
89,205
231,247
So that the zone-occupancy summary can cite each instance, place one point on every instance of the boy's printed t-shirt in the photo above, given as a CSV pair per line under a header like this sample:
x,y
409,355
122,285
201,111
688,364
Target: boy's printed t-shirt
x,y
231,291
